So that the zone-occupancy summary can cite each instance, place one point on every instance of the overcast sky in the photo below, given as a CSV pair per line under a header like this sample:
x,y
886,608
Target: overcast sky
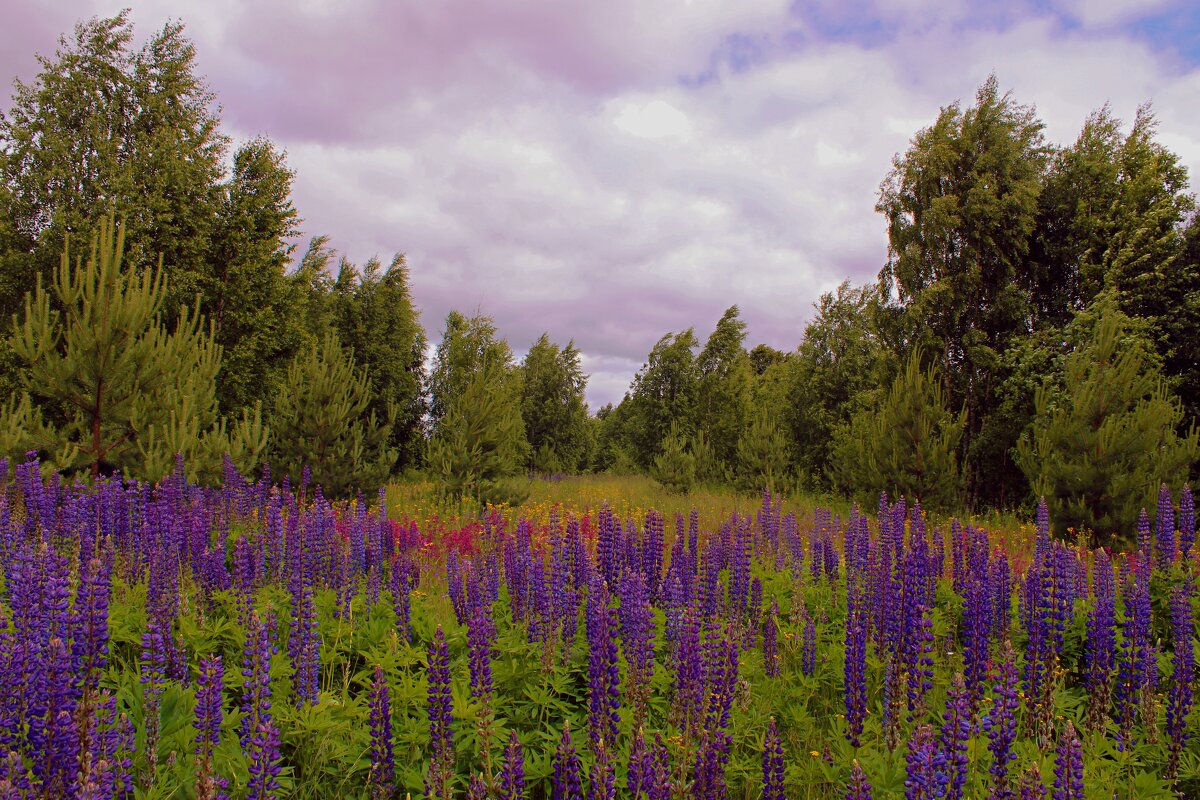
x,y
610,171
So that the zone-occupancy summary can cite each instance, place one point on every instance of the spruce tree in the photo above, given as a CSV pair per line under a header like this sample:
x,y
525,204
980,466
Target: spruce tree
x,y
108,386
906,445
322,420
1105,433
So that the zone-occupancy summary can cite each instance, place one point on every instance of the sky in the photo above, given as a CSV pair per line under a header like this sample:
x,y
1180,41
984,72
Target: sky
x,y
611,171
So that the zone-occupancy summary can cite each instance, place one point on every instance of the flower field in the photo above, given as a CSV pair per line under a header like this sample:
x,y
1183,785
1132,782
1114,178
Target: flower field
x,y
257,641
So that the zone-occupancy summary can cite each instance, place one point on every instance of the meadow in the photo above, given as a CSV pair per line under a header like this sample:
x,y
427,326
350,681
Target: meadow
x,y
604,639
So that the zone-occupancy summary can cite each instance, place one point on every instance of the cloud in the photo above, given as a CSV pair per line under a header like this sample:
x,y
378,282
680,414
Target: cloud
x,y
610,172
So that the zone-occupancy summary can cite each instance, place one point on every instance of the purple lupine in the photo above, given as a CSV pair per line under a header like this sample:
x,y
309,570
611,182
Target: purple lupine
x,y
1068,766
957,722
927,776
1144,542
602,783
1187,522
400,598
771,640
689,675
1164,530
565,781
976,639
859,787
1101,642
637,640
1000,723
89,619
382,778
808,651
1032,787
639,775
604,690
1183,663
481,638
210,685
153,666
855,681
304,645
512,772
259,734
920,678
772,764
440,708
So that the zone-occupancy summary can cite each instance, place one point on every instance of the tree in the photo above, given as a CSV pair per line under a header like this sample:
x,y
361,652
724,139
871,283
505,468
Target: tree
x,y
245,292
102,125
839,367
114,385
762,453
906,445
961,206
724,390
664,394
554,406
322,419
675,467
473,455
1105,433
376,317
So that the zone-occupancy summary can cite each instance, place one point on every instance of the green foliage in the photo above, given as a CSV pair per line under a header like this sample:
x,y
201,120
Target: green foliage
x,y
554,406
322,419
724,391
1105,433
104,124
836,371
762,453
245,291
663,396
118,390
376,317
961,205
906,445
477,449
675,467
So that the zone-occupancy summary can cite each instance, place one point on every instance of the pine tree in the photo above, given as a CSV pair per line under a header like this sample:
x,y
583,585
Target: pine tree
x,y
1104,437
473,455
554,406
762,452
322,420
675,467
118,390
906,445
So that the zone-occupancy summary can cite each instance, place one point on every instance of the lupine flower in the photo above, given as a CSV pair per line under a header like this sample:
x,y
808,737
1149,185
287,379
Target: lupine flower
x,y
808,653
855,682
956,733
689,675
304,646
481,636
1068,766
209,714
260,736
383,765
1183,663
1032,787
1164,530
400,599
440,712
1000,724
512,773
565,782
1101,642
772,764
1187,522
604,677
771,641
603,776
927,775
859,788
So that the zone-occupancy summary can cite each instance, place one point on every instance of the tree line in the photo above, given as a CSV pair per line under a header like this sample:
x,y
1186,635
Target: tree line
x,y
1034,330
